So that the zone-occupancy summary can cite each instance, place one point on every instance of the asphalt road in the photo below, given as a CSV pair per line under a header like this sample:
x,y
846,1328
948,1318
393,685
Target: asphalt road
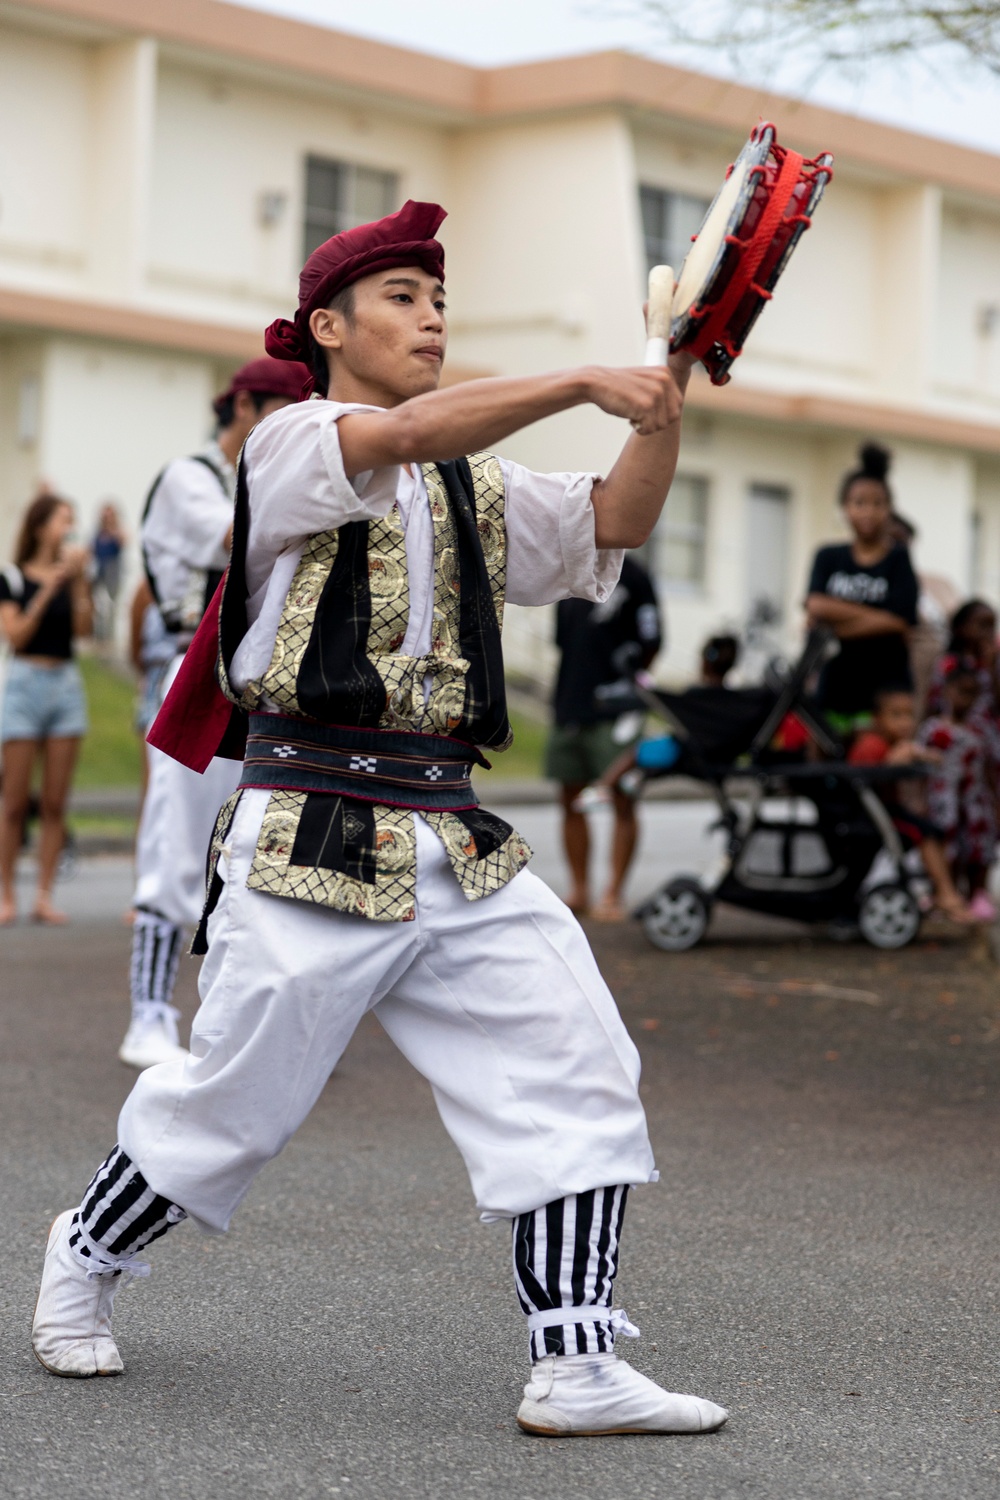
x,y
820,1255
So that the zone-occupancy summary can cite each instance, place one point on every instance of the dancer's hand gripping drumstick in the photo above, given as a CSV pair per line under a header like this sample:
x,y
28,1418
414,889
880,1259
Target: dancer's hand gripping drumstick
x,y
634,491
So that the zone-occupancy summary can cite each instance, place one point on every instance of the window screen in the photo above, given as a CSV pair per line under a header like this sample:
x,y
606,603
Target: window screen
x,y
340,195
678,553
669,220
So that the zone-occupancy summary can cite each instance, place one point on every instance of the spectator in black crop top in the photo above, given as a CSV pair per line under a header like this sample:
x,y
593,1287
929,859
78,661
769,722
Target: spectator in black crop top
x,y
44,604
866,591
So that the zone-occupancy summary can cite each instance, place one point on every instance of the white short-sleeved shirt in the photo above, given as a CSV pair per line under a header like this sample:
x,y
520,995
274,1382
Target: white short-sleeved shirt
x,y
297,487
184,534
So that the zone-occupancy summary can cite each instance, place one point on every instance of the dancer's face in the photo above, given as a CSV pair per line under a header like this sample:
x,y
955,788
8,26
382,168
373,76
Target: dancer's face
x,y
390,343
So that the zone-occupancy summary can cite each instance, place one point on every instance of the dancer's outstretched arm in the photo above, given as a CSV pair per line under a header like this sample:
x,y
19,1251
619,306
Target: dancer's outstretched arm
x,y
480,413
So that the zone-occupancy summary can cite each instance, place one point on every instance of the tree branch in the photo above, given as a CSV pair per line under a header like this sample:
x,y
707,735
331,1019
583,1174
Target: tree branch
x,y
835,32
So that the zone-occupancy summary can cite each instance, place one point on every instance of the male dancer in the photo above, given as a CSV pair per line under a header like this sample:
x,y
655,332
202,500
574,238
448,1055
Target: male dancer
x,y
186,534
360,629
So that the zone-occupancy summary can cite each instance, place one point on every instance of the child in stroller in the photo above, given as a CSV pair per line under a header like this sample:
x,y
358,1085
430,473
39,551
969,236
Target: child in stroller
x,y
719,656
832,855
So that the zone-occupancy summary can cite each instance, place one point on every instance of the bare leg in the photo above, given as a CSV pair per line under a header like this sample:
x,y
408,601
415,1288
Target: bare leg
x,y
576,842
946,893
18,758
617,769
623,845
57,774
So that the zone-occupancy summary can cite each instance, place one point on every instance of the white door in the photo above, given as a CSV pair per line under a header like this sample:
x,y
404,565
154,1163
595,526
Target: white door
x,y
768,507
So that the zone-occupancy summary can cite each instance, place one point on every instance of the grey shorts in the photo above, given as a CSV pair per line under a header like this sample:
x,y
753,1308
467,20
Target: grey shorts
x,y
42,702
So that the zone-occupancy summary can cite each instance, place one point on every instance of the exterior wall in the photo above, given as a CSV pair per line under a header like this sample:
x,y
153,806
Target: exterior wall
x,y
115,417
22,417
985,568
109,418
210,255
46,131
967,311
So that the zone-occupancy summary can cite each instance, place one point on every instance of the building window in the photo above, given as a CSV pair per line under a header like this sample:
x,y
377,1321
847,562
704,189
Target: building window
x,y
340,195
677,557
669,220
769,508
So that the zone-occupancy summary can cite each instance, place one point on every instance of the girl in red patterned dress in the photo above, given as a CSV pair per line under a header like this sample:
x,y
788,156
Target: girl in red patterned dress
x,y
960,791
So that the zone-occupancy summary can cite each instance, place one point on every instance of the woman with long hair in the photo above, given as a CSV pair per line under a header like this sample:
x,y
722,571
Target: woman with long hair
x,y
866,591
44,604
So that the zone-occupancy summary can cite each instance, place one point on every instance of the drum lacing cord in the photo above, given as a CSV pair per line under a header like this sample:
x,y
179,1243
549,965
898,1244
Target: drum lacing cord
x,y
712,330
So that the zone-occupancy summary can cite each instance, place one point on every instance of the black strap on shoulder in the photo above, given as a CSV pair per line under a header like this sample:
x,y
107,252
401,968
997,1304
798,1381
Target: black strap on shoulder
x,y
215,577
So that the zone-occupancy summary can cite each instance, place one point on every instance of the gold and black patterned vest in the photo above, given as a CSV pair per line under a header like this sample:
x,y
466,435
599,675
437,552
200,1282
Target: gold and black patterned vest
x,y
337,663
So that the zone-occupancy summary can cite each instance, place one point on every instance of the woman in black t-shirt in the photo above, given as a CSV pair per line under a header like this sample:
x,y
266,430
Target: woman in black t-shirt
x,y
866,592
44,603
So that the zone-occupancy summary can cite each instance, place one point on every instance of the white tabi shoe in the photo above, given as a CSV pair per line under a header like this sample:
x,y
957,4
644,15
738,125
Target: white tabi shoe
x,y
596,1395
71,1331
152,1039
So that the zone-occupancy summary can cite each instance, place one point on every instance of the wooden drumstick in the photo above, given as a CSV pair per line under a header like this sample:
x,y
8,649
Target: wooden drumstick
x,y
658,315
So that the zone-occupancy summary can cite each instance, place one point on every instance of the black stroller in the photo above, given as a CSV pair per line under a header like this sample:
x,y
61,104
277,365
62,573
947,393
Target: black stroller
x,y
843,863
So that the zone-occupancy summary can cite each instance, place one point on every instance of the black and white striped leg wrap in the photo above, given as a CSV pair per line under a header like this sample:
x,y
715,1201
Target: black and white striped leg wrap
x,y
156,952
119,1216
565,1263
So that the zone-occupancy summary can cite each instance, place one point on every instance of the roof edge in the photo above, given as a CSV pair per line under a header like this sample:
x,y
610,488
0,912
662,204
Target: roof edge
x,y
607,78
832,413
119,323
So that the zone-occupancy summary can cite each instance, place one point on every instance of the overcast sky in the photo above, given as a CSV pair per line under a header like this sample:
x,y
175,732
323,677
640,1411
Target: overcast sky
x,y
957,100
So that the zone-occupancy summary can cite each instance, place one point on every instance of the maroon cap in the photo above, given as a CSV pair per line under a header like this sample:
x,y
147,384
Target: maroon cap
x,y
268,377
405,238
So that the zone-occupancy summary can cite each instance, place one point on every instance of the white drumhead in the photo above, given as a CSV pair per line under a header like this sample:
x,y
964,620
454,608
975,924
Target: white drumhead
x,y
702,259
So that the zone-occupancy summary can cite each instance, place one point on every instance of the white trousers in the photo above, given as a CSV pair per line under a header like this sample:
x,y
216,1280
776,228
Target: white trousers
x,y
498,1003
178,816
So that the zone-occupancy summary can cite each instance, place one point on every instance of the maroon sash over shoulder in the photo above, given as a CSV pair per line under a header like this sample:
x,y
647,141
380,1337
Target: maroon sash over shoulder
x,y
195,721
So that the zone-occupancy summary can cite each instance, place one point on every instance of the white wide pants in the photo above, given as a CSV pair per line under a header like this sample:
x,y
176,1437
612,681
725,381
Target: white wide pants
x,y
178,816
498,1003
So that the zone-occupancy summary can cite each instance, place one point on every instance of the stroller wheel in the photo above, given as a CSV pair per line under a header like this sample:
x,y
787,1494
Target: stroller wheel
x,y
889,917
676,917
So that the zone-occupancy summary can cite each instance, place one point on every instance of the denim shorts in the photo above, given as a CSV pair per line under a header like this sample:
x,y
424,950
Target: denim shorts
x,y
150,697
42,702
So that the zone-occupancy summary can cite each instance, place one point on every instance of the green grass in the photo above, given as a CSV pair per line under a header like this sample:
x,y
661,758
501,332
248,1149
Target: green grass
x,y
523,761
103,825
110,755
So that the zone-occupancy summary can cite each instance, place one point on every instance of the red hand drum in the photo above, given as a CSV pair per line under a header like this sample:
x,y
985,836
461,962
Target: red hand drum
x,y
758,217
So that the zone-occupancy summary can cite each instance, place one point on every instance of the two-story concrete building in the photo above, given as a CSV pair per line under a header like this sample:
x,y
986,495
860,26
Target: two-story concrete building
x,y
164,167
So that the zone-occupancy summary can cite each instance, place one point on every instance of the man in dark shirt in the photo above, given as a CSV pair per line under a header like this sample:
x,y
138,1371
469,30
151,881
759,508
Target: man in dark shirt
x,y
582,744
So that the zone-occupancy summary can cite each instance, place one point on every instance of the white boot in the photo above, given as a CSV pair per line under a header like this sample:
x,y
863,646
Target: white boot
x,y
589,1395
152,1038
71,1332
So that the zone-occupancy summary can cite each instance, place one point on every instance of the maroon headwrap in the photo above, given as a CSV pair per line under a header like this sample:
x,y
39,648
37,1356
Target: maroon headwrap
x,y
405,238
269,377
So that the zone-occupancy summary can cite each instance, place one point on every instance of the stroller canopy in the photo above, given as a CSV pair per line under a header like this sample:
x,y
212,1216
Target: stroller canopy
x,y
721,723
